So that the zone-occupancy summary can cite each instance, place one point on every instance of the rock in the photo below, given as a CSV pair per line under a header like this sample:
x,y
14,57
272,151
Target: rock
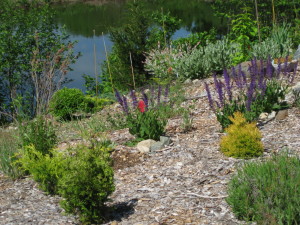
x,y
296,88
290,66
263,116
187,81
144,146
282,114
156,146
114,223
197,82
297,54
165,140
272,115
246,65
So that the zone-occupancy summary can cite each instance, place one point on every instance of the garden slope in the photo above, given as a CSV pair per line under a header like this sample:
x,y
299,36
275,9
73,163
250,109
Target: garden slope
x,y
184,183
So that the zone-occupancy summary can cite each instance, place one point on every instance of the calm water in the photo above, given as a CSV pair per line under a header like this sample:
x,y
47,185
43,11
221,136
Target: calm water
x,y
81,19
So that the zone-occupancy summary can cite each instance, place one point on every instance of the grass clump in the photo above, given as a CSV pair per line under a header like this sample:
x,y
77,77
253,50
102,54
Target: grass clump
x,y
243,139
8,150
267,192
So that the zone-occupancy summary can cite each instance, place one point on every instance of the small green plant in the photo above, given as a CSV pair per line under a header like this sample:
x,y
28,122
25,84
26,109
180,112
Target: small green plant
x,y
40,133
267,192
87,183
187,121
65,102
243,139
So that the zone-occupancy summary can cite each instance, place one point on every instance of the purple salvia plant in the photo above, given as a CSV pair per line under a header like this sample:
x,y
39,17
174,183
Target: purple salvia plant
x,y
285,65
119,99
146,100
227,84
158,95
166,94
152,91
250,93
126,108
210,100
220,92
242,77
261,75
133,98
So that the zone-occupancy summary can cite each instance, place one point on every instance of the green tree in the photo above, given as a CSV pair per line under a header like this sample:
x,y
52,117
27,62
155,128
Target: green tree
x,y
20,23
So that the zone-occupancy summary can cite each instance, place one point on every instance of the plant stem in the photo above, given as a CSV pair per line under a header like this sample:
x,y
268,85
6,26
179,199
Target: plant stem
x,y
108,64
95,65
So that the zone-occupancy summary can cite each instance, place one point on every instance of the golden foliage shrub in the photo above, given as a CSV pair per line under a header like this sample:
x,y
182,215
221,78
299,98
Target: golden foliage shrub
x,y
243,139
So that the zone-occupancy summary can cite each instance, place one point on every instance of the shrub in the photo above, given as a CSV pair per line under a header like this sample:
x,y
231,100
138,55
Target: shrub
x,y
93,104
82,176
163,64
65,102
277,45
46,169
87,183
40,133
243,139
204,60
267,192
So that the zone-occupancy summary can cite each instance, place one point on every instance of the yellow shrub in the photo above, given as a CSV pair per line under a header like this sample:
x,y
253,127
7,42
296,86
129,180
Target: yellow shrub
x,y
243,139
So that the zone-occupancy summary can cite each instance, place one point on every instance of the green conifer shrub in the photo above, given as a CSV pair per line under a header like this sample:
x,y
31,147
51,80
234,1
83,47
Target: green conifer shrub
x,y
87,183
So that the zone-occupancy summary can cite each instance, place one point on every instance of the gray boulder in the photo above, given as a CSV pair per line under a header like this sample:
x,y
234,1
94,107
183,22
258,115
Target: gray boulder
x,y
297,54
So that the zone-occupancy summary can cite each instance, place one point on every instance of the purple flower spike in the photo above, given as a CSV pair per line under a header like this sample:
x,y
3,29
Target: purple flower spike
x,y
134,99
126,108
240,77
285,65
220,92
158,95
250,93
166,94
210,100
146,100
227,84
119,99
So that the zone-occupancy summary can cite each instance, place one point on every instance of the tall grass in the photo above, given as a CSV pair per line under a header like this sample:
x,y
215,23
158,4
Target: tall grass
x,y
8,150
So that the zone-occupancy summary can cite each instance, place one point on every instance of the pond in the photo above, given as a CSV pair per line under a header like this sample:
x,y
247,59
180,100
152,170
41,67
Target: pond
x,y
89,25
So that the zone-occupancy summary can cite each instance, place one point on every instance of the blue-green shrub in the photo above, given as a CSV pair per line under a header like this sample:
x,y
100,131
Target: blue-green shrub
x,y
267,192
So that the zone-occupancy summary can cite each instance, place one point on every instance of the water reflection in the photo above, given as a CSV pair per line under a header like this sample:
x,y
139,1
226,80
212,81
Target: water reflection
x,y
81,19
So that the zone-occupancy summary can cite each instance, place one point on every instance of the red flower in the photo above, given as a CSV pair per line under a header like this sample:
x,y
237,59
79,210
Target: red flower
x,y
141,106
